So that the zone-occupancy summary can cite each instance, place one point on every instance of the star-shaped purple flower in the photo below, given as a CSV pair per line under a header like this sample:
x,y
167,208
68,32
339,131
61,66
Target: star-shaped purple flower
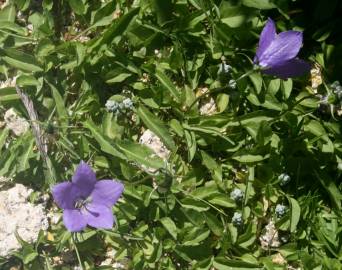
x,y
276,54
86,201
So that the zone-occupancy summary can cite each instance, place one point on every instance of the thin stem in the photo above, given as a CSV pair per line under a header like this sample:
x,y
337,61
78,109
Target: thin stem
x,y
250,181
246,74
11,34
77,253
292,107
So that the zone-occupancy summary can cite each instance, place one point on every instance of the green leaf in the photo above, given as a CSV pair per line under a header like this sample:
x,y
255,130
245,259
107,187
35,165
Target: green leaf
x,y
61,110
233,16
167,83
286,88
140,154
47,4
170,226
295,214
222,200
7,14
273,86
29,254
8,94
245,157
157,126
23,160
257,81
190,138
163,9
105,145
77,6
177,127
27,80
214,168
317,129
194,204
259,4
222,263
329,185
3,136
13,27
116,29
214,224
22,4
119,78
21,60
195,238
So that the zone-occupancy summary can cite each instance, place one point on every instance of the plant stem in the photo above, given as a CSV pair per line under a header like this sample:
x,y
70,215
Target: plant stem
x,y
77,253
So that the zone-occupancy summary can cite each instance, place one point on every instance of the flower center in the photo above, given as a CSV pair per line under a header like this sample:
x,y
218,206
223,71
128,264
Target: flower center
x,y
81,203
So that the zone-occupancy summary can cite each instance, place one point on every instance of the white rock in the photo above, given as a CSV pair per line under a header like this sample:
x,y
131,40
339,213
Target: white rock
x,y
17,214
10,82
152,141
4,180
270,239
279,259
208,107
14,122
316,77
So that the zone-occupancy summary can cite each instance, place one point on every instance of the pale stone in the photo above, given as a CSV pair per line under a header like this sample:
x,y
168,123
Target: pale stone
x,y
153,142
279,259
208,107
270,239
316,77
110,260
19,215
10,82
15,123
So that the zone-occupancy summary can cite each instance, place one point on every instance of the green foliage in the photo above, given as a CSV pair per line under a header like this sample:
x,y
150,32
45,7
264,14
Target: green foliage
x,y
167,57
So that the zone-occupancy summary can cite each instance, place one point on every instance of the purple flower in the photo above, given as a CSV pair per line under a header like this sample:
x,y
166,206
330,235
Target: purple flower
x,y
86,201
276,54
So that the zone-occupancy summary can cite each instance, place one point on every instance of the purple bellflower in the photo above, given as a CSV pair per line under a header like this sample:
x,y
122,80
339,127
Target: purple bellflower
x,y
86,201
276,54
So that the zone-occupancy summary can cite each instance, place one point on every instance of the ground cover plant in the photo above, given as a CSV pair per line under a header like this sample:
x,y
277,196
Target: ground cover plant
x,y
212,126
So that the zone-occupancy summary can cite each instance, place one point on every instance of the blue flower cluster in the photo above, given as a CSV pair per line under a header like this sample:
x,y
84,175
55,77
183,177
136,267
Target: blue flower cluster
x,y
237,219
284,179
119,107
280,210
337,90
237,194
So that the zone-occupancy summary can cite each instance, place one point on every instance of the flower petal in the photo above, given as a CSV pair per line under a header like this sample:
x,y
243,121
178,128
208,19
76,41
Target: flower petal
x,y
99,216
74,220
267,35
289,69
283,48
84,178
107,192
65,195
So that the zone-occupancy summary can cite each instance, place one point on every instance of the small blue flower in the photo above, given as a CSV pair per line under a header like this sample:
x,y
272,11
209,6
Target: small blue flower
x,y
128,103
112,106
284,179
337,90
237,194
237,219
280,210
232,84
224,68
